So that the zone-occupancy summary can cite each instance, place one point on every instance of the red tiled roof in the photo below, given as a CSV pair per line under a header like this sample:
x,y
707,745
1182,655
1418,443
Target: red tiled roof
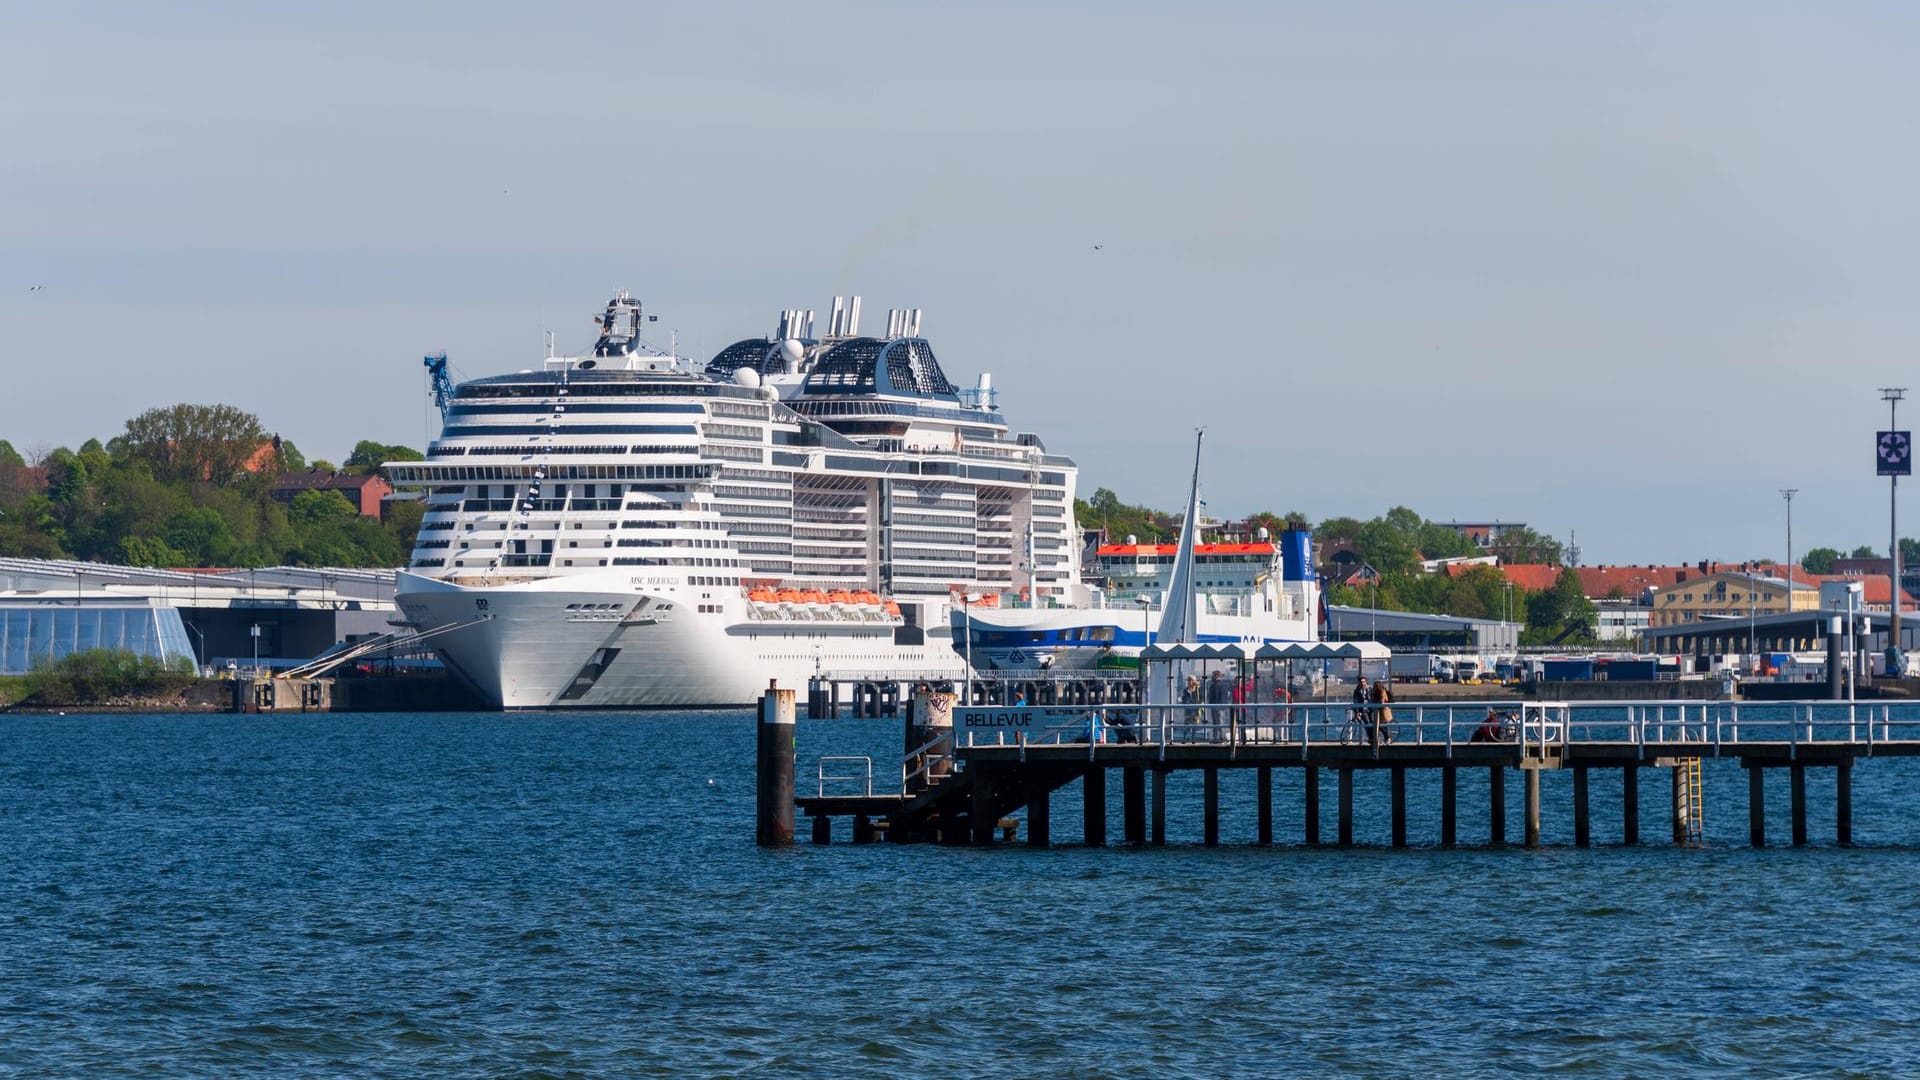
x,y
1876,588
336,481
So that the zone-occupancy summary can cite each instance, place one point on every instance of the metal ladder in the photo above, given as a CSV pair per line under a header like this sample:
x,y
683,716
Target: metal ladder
x,y
1692,824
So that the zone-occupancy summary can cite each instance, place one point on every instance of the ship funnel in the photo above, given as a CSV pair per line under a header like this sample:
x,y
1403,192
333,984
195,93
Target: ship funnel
x,y
853,318
809,334
835,321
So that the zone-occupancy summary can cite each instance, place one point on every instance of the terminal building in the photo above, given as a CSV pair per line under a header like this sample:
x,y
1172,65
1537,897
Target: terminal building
x,y
1408,631
211,618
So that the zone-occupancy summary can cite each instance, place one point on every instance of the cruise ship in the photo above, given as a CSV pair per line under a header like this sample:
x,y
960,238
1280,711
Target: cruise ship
x,y
625,529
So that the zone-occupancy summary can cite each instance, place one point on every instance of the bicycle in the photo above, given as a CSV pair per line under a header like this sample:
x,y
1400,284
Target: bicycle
x,y
1361,726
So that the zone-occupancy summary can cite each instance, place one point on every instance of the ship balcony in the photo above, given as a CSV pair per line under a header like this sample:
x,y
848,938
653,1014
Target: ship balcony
x,y
532,559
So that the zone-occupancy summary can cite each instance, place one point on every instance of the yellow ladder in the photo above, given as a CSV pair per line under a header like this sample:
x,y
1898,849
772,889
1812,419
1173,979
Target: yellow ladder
x,y
1692,824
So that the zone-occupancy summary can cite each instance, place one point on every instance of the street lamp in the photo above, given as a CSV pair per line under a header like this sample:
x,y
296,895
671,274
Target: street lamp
x,y
1788,494
1895,662
256,650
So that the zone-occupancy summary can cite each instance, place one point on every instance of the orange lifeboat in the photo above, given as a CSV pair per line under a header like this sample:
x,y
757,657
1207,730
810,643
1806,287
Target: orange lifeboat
x,y
788,596
989,600
840,596
893,608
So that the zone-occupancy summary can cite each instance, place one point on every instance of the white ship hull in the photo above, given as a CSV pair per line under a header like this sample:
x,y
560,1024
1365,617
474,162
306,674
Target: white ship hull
x,y
619,648
1067,639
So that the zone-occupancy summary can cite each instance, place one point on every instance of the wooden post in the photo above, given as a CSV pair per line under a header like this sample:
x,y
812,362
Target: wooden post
x,y
1210,785
1133,803
984,819
773,793
1093,811
1449,832
1039,813
1531,779
1843,804
1497,806
823,830
1263,782
1630,805
1582,832
1160,807
1756,805
1399,806
862,829
1799,777
1346,807
1310,815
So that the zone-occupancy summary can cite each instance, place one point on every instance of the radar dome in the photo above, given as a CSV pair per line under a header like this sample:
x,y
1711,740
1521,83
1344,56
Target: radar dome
x,y
746,376
793,351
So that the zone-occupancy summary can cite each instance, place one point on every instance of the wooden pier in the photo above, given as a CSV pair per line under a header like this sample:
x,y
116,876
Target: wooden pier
x,y
962,783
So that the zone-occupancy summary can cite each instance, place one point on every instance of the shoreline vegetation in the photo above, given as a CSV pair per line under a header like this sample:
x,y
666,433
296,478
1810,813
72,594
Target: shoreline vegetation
x,y
104,679
192,486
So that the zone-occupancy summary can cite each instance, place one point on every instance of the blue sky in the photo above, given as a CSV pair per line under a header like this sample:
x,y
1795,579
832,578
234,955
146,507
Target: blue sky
x,y
1619,269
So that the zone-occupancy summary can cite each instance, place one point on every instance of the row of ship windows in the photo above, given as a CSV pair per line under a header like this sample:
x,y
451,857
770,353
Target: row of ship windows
x,y
416,473
440,450
657,561
467,412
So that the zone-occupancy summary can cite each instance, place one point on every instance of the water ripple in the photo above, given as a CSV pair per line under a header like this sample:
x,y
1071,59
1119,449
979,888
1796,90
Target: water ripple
x,y
570,896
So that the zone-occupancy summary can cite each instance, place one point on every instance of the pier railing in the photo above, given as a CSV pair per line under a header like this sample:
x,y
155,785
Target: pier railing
x,y
1533,727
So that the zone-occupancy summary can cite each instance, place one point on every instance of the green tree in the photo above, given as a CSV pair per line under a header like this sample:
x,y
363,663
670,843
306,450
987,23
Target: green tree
x,y
194,442
1820,560
9,457
1864,551
369,455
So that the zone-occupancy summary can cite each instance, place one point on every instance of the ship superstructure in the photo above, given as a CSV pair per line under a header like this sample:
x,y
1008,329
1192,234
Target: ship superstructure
x,y
623,529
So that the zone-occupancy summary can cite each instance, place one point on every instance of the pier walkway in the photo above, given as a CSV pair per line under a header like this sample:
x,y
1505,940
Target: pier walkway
x,y
958,784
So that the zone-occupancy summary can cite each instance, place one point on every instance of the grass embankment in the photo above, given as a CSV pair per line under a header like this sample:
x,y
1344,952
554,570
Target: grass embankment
x,y
97,677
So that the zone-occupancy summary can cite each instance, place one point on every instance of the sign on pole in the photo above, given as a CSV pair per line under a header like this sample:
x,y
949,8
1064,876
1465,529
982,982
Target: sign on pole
x,y
1893,453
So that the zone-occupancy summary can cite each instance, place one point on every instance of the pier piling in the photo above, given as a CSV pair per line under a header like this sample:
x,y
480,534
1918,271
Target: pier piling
x,y
1210,800
1582,831
1093,791
1133,804
1630,805
1756,805
981,811
1346,808
1531,779
774,753
1310,814
1160,807
1497,806
1399,807
1449,800
1679,804
1039,797
1799,797
1843,804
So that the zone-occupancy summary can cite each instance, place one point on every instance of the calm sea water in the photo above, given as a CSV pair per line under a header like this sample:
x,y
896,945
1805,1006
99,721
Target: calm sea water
x,y
580,895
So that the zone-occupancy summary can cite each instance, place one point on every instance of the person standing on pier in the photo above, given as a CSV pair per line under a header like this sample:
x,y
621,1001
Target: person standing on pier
x,y
1382,711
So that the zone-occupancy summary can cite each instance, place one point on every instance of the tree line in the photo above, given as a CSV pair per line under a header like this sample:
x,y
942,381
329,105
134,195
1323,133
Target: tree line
x,y
191,486
1393,545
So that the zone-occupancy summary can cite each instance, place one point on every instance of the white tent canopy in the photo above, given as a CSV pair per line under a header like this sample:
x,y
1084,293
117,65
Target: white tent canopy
x,y
1292,650
1324,650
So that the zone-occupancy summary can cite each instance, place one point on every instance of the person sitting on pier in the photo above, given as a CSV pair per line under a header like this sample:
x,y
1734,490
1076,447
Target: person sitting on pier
x,y
1496,728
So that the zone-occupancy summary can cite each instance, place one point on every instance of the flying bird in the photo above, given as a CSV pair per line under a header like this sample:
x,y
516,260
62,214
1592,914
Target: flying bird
x,y
1097,247
36,288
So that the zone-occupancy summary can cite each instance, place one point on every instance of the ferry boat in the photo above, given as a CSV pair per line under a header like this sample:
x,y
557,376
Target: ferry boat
x,y
625,529
1253,593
